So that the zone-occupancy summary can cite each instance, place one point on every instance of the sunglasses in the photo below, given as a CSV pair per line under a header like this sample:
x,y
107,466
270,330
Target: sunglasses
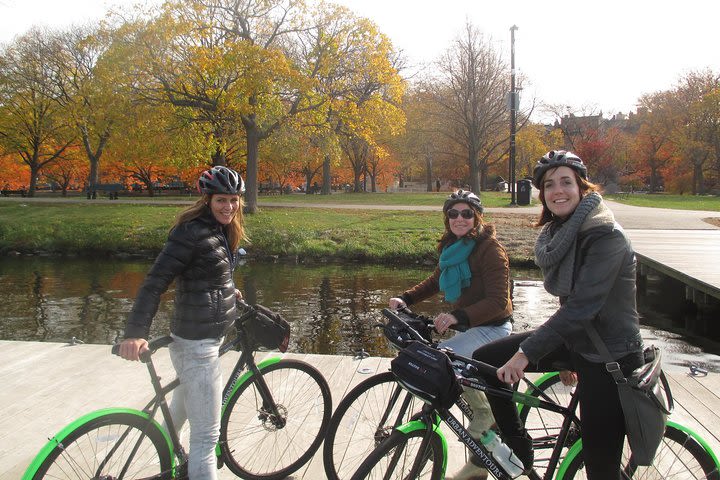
x,y
466,214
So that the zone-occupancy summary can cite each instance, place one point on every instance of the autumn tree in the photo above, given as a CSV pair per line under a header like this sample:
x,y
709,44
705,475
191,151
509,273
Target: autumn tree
x,y
654,142
357,88
471,88
533,142
33,125
88,89
420,148
697,105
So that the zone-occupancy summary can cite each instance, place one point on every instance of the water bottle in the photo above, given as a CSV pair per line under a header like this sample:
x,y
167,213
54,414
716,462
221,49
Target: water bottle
x,y
502,453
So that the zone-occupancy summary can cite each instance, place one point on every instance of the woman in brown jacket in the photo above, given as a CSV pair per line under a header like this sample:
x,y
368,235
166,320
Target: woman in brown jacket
x,y
474,276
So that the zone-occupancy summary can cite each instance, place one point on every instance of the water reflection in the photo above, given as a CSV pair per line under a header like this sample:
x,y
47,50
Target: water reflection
x,y
332,308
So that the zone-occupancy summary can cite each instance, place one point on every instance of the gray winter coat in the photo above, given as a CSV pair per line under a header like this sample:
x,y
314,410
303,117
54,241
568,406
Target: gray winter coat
x,y
603,294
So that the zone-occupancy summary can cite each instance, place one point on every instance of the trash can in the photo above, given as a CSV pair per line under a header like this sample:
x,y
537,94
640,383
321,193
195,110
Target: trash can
x,y
524,188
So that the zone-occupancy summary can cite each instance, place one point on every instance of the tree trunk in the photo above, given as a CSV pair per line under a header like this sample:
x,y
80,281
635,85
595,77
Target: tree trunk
x,y
253,143
428,172
474,173
34,170
327,180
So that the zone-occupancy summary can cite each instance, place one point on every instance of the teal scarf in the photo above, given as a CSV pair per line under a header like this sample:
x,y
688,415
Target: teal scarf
x,y
454,268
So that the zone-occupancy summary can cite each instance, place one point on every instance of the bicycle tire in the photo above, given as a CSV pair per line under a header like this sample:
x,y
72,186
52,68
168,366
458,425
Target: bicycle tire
x,y
355,428
399,452
80,449
680,456
256,446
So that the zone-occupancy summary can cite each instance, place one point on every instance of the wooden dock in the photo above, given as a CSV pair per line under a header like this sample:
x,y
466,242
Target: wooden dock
x,y
690,256
47,385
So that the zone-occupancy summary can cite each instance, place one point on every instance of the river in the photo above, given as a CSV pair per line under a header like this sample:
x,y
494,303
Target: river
x,y
332,308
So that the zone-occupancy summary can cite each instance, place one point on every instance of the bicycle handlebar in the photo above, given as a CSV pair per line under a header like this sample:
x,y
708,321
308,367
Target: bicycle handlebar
x,y
153,346
404,326
401,330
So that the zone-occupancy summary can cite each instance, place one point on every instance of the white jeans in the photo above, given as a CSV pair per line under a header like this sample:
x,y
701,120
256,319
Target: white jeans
x,y
465,343
198,400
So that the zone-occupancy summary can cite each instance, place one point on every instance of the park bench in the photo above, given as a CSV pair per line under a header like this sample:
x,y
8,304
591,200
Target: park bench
x,y
111,189
7,192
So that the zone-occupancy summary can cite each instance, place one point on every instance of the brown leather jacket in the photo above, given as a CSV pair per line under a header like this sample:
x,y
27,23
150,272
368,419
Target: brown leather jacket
x,y
487,300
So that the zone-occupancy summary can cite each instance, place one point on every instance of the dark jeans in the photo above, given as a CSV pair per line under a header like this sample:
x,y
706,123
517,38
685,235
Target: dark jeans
x,y
603,423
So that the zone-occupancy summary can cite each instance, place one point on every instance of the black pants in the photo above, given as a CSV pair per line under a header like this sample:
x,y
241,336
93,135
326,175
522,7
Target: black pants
x,y
603,423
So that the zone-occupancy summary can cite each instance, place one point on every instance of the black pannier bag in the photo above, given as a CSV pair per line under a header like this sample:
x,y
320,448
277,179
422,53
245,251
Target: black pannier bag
x,y
427,373
268,329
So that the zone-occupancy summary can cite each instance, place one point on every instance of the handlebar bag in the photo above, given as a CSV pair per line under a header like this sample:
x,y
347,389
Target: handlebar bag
x,y
268,329
428,374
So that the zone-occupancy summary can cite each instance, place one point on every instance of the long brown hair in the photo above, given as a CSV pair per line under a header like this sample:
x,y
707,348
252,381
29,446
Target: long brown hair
x,y
479,229
546,216
235,230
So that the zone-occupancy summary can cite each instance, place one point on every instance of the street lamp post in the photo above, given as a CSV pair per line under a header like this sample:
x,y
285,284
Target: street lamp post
x,y
513,107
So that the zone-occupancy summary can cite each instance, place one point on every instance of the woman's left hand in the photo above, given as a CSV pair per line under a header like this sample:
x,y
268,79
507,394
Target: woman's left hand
x,y
514,369
238,294
443,322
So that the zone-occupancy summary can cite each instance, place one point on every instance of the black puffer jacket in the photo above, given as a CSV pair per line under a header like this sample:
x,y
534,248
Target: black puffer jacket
x,y
196,255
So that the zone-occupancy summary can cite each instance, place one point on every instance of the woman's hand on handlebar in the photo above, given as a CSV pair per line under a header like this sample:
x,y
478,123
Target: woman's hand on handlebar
x,y
514,369
396,303
131,348
444,321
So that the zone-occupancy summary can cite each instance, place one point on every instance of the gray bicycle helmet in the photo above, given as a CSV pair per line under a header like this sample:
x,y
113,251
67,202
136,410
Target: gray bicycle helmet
x,y
221,180
463,196
558,158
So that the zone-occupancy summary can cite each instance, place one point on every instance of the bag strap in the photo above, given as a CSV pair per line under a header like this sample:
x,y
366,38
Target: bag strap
x,y
611,365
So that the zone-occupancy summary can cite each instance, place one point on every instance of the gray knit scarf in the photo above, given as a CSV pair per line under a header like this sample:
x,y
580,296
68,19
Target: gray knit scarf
x,y
556,244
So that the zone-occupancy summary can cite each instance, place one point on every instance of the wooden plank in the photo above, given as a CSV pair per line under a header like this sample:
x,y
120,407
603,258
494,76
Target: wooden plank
x,y
47,385
691,256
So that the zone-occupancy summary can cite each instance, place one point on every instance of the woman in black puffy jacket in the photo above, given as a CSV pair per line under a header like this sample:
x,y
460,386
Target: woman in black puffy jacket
x,y
200,255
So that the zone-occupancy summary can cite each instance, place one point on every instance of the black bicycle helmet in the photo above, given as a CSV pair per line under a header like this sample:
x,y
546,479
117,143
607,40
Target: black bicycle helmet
x,y
221,180
558,158
463,196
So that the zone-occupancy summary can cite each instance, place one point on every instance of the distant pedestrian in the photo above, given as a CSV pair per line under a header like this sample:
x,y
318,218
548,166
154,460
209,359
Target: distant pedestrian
x,y
437,185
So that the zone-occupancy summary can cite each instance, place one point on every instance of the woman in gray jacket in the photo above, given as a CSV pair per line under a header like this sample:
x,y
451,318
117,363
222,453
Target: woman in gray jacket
x,y
588,262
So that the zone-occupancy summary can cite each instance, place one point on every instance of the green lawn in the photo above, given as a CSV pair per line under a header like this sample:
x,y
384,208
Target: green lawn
x,y
106,228
661,200
489,199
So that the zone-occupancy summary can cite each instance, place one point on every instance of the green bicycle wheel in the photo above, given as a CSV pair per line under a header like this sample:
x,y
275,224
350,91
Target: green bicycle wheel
x,y
400,457
106,444
680,456
362,420
256,444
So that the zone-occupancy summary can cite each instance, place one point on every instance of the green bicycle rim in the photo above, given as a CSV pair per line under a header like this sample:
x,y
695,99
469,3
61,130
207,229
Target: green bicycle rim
x,y
420,425
529,391
68,429
698,439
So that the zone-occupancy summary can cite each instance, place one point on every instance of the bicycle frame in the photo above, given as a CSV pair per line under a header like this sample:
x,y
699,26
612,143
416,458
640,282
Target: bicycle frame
x,y
244,368
429,415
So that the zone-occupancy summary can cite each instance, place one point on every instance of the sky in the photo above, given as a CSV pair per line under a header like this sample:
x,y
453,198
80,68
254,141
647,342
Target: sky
x,y
590,56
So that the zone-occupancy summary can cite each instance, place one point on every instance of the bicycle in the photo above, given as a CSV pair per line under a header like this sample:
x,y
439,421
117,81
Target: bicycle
x,y
369,413
280,407
418,449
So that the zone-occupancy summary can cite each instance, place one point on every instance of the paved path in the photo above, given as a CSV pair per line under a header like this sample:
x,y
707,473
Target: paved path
x,y
630,217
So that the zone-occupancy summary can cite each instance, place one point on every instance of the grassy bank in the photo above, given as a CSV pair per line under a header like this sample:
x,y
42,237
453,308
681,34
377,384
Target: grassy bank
x,y
709,203
375,236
